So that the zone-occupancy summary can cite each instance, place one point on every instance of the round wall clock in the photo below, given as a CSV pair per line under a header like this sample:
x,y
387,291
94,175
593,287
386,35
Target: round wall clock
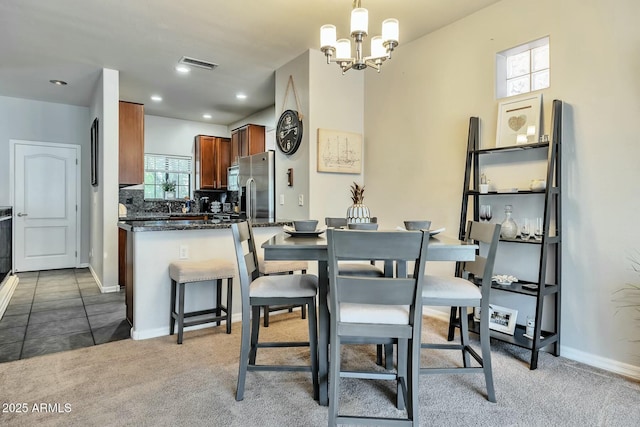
x,y
289,132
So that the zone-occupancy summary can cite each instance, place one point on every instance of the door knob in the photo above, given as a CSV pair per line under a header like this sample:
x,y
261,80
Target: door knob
x,y
21,214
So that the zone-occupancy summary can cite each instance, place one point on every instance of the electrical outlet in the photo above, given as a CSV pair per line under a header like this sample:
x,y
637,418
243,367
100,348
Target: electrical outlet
x,y
282,199
300,199
184,251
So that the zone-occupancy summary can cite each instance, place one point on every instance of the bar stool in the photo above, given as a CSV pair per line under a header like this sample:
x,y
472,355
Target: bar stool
x,y
267,268
183,272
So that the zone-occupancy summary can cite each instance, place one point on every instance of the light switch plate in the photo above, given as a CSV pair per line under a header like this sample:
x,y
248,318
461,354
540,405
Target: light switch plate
x,y
300,199
282,199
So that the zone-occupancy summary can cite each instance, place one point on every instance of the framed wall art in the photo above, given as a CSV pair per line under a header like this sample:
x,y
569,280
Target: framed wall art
x,y
519,121
94,152
339,152
502,319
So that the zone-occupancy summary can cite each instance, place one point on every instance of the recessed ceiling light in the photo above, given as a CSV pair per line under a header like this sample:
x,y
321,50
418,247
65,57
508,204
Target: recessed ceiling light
x,y
183,69
58,82
156,98
241,96
206,116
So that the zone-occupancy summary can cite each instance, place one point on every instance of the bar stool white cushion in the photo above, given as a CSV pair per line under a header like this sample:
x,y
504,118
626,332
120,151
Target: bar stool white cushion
x,y
447,287
287,286
199,271
272,267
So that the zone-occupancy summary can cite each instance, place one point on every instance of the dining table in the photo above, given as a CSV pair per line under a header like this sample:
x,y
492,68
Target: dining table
x,y
286,247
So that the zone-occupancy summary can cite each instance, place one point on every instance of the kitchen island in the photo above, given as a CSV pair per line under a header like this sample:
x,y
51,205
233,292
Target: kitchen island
x,y
152,244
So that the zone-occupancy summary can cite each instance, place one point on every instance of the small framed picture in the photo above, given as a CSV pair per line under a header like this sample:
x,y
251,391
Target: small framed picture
x,y
502,319
519,121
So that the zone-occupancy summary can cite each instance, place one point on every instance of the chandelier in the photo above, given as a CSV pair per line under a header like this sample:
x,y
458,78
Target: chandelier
x,y
340,51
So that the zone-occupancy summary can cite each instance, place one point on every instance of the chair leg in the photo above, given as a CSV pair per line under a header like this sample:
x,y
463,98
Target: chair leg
x,y
388,357
452,323
218,300
255,330
313,347
304,311
180,312
266,316
334,378
245,346
413,380
172,321
229,303
464,335
485,344
401,372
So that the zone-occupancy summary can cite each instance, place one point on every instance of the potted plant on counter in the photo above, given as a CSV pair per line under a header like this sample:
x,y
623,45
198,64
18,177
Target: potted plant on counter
x,y
358,212
169,188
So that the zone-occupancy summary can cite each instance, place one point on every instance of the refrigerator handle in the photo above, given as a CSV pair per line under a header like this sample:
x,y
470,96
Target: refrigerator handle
x,y
249,197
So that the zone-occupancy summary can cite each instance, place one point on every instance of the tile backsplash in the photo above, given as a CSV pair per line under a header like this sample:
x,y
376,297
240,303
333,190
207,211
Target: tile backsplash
x,y
135,203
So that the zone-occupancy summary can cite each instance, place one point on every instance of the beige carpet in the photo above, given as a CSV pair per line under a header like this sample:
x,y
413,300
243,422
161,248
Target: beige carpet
x,y
159,383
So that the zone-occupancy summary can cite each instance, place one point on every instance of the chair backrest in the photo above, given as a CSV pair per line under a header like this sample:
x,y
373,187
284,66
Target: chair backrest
x,y
482,267
383,245
335,222
246,257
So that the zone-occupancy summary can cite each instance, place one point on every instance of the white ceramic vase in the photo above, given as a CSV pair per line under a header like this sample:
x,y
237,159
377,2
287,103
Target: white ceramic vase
x,y
358,213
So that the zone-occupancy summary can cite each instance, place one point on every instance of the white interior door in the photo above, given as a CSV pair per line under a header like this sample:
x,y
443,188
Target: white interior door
x,y
46,181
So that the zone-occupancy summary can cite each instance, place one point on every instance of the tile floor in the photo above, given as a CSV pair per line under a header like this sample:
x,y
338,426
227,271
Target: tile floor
x,y
58,310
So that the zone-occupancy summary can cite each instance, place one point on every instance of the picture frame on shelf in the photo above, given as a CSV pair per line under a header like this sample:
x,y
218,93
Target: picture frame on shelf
x,y
519,121
502,319
339,151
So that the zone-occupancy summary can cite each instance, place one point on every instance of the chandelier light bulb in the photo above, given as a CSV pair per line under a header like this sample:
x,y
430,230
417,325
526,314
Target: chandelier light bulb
x,y
359,21
327,36
390,30
343,49
377,48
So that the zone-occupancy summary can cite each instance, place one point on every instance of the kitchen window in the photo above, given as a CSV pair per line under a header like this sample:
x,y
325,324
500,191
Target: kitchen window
x,y
160,168
523,69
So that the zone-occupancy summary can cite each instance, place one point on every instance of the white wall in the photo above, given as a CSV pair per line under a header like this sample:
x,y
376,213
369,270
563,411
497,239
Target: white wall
x,y
337,103
266,117
298,161
163,135
104,197
29,120
416,120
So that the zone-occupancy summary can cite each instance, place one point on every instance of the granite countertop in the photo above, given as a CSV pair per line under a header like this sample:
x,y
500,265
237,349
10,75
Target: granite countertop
x,y
156,223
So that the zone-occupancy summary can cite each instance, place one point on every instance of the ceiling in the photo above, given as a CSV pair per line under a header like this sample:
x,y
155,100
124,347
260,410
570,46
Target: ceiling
x,y
72,40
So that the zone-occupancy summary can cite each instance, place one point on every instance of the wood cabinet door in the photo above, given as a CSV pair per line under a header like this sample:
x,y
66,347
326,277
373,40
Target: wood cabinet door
x,y
235,147
255,139
205,162
131,143
223,161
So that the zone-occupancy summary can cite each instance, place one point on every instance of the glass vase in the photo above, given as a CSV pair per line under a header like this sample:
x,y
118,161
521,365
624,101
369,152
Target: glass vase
x,y
508,228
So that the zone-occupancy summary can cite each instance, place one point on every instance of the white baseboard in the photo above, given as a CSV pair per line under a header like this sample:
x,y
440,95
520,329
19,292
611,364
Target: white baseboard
x,y
103,289
6,292
610,365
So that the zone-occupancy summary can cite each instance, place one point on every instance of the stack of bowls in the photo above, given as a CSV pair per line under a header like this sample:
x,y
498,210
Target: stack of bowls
x,y
417,225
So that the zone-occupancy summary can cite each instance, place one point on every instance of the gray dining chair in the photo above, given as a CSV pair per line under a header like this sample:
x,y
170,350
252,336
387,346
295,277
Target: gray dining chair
x,y
471,289
267,268
257,291
354,268
379,310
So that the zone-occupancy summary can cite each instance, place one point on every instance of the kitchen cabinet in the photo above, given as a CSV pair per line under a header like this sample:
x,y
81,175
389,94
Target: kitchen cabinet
x,y
213,156
542,255
247,140
131,143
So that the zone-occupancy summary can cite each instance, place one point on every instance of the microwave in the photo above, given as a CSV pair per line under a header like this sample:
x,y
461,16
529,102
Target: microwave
x,y
233,178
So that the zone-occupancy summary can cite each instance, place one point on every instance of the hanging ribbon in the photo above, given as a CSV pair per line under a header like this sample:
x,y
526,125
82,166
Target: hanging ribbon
x,y
295,93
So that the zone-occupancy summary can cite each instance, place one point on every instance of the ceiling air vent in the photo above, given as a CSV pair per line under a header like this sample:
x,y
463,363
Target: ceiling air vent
x,y
192,62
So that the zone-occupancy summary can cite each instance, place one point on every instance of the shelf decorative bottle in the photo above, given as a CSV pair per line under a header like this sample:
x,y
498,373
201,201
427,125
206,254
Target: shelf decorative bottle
x,y
508,228
358,212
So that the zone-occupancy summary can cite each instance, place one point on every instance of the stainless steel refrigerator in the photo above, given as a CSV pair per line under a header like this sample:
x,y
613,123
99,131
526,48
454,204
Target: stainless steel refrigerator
x,y
257,185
